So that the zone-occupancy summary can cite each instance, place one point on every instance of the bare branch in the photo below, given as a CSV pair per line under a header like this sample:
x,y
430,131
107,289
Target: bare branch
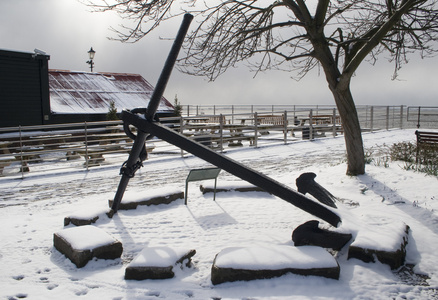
x,y
283,32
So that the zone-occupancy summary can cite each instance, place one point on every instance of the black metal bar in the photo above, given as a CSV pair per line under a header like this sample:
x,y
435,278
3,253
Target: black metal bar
x,y
136,158
128,169
258,179
167,69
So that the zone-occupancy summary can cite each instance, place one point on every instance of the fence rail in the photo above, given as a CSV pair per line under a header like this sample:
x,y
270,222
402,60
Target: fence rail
x,y
25,149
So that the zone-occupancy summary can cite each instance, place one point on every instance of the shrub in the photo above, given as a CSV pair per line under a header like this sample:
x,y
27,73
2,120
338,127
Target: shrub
x,y
112,112
404,151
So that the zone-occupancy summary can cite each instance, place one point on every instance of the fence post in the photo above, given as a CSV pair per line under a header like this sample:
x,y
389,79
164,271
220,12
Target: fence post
x,y
371,118
311,124
285,126
366,116
256,132
21,153
419,114
387,118
181,131
221,136
86,145
334,122
401,117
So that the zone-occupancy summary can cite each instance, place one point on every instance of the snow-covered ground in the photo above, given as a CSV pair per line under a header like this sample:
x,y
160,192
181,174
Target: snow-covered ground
x,y
33,209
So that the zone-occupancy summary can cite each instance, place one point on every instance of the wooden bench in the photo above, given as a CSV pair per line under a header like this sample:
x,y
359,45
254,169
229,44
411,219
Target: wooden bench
x,y
321,124
325,119
426,140
266,122
277,120
217,119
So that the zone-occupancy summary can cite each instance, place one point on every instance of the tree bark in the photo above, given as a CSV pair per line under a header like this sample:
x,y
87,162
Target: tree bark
x,y
339,85
351,126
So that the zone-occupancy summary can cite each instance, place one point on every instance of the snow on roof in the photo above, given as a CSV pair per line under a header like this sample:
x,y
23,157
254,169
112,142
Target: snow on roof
x,y
86,93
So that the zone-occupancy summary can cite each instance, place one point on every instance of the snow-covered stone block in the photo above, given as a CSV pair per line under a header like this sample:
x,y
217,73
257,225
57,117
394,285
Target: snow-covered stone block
x,y
387,243
81,244
249,263
158,262
226,186
84,217
150,197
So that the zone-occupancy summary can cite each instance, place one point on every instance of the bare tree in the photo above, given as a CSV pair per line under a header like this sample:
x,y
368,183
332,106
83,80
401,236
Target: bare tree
x,y
336,36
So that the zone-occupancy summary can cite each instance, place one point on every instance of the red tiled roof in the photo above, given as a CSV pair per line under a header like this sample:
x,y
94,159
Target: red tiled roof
x,y
83,92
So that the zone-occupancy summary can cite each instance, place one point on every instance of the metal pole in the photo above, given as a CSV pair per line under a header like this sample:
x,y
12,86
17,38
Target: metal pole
x,y
138,151
167,69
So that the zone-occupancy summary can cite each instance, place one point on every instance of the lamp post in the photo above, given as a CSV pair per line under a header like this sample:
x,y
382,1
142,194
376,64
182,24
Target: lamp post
x,y
91,53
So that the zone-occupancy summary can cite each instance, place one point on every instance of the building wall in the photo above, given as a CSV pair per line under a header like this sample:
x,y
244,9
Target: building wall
x,y
24,89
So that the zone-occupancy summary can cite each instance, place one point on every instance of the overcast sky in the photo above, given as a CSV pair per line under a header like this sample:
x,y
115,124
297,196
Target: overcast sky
x,y
65,29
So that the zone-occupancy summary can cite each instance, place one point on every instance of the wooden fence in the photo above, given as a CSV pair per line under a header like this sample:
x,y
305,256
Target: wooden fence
x,y
32,149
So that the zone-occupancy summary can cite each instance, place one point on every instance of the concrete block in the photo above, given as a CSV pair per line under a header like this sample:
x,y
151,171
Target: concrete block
x,y
81,244
235,264
158,263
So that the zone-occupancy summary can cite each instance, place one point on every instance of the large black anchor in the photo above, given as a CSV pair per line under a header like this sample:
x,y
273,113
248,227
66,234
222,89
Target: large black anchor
x,y
148,125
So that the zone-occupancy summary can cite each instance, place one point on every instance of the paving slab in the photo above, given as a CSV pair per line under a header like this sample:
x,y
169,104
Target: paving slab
x,y
81,244
263,262
85,217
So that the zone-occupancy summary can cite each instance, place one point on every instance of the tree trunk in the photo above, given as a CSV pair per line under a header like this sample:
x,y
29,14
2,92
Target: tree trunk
x,y
339,84
352,132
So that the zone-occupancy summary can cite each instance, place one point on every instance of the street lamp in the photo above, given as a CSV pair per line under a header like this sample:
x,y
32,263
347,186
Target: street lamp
x,y
91,53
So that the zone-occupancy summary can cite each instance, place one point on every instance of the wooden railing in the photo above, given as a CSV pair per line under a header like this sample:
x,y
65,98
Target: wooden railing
x,y
33,149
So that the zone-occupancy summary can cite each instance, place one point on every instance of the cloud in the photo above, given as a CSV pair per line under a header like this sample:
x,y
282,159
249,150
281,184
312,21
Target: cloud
x,y
66,30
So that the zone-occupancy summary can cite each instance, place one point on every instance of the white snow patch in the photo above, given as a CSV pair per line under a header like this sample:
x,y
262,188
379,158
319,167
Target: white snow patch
x,y
150,194
158,257
382,237
34,208
86,237
275,257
